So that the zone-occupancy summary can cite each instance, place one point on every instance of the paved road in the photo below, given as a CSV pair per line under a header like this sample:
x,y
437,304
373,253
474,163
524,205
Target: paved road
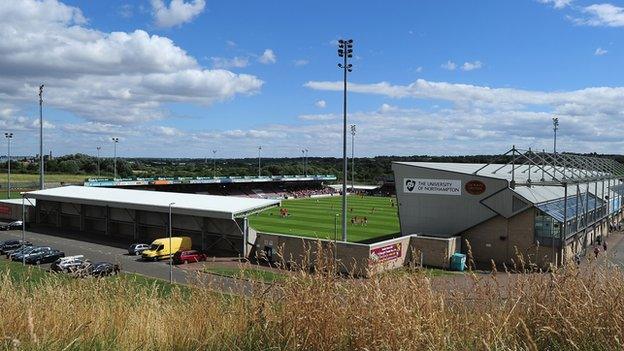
x,y
96,250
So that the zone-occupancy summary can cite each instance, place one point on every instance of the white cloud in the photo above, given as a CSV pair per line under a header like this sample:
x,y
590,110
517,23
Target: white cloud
x,y
602,15
471,66
300,63
318,117
235,62
168,131
418,69
230,43
595,103
600,52
558,4
267,57
108,77
449,65
320,104
177,12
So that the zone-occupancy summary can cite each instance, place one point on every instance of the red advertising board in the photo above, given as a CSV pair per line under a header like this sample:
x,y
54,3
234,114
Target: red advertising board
x,y
5,210
385,253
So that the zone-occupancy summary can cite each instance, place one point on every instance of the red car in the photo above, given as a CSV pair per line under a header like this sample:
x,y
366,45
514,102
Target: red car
x,y
188,256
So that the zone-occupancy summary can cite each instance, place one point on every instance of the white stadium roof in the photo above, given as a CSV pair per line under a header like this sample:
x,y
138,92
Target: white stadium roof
x,y
158,201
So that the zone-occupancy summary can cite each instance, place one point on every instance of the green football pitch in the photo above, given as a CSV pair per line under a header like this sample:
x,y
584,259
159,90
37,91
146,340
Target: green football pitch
x,y
314,217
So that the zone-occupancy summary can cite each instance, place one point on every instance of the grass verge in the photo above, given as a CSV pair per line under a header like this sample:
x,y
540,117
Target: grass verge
x,y
254,274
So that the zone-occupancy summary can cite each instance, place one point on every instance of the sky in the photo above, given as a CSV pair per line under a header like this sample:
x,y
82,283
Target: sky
x,y
181,78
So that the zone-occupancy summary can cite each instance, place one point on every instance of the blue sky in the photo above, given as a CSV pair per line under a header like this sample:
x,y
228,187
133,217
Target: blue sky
x,y
182,78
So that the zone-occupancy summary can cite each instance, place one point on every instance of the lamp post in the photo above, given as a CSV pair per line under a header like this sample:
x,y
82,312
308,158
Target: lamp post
x,y
115,141
352,157
259,148
336,240
23,229
345,50
214,164
41,168
9,136
98,160
170,253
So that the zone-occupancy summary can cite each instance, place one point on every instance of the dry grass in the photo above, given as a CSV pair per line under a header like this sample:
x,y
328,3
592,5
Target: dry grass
x,y
570,309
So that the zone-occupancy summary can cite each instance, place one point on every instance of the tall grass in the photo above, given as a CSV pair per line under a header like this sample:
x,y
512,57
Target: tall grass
x,y
568,309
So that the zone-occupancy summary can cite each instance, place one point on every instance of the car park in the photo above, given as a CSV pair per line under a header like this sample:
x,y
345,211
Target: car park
x,y
103,269
187,256
137,249
11,245
13,225
68,264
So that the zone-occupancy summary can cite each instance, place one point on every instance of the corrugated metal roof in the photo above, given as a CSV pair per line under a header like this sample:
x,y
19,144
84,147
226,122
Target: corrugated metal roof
x,y
535,193
157,201
522,173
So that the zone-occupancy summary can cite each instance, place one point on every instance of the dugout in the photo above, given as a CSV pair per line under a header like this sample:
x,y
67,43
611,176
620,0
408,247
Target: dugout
x,y
216,224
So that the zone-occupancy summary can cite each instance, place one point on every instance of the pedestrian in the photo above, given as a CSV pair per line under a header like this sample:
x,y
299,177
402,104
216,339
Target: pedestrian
x,y
577,259
604,245
596,251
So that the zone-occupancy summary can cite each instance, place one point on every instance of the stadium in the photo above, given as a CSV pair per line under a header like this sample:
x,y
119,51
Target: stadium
x,y
539,207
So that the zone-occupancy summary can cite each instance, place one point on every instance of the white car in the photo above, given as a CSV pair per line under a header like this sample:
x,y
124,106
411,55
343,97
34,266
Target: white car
x,y
68,263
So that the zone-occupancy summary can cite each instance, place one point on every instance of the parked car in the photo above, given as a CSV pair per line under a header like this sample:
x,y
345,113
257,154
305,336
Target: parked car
x,y
11,245
19,251
68,264
137,249
188,256
43,255
82,270
13,225
160,248
103,269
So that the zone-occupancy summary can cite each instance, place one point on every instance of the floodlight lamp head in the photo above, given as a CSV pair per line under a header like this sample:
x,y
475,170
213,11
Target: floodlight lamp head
x,y
350,41
350,70
349,66
349,56
340,65
341,41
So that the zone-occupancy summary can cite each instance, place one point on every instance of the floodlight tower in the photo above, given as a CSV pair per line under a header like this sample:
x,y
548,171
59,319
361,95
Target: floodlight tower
x,y
305,163
259,149
9,136
41,168
345,50
352,157
555,121
115,141
214,164
98,159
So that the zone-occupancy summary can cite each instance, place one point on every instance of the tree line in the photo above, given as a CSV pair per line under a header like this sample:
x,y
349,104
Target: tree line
x,y
367,169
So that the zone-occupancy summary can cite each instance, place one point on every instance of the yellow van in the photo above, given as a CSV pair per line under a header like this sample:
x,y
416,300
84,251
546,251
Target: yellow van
x,y
160,247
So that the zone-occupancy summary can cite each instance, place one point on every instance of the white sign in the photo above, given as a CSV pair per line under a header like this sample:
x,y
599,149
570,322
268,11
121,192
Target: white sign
x,y
432,186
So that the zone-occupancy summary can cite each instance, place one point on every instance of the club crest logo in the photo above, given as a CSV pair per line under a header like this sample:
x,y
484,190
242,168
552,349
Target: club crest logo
x,y
410,184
